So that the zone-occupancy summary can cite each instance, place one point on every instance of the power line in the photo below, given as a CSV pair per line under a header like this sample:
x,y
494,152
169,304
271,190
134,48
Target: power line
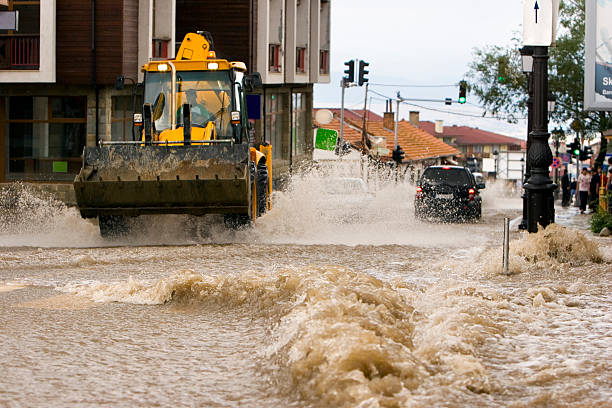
x,y
416,86
446,111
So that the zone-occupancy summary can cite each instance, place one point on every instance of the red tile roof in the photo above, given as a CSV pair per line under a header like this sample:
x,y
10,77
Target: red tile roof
x,y
356,115
465,135
416,143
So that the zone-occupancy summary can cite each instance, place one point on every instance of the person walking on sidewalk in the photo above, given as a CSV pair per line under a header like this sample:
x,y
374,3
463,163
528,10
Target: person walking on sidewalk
x,y
565,189
594,185
584,182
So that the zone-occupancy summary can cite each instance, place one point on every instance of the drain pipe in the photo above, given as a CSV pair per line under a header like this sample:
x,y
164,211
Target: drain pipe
x,y
506,245
93,65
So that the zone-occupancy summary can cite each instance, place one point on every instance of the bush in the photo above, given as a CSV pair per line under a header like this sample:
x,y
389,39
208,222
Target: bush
x,y
600,220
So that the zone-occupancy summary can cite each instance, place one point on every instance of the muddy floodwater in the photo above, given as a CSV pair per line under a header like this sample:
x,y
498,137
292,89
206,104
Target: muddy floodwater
x,y
356,304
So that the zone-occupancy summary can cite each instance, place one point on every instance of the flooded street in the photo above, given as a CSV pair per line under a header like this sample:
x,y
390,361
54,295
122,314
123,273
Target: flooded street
x,y
311,308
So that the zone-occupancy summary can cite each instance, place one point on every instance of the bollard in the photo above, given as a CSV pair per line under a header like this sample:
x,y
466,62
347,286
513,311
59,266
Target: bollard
x,y
506,245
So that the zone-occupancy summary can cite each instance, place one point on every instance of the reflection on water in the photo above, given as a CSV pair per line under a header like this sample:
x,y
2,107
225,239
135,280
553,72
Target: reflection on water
x,y
307,309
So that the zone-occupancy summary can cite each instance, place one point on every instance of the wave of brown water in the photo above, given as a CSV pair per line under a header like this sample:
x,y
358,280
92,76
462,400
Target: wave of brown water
x,y
306,311
344,338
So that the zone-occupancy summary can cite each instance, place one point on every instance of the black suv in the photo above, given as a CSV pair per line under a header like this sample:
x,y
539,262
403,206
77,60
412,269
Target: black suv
x,y
449,192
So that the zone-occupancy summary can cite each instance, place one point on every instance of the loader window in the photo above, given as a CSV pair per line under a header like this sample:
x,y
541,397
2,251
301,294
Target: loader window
x,y
208,92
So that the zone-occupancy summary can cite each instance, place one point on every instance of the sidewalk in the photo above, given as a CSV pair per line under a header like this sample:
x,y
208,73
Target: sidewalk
x,y
571,217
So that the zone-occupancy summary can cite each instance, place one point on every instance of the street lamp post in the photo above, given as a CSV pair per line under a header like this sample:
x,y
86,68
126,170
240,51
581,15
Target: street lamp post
x,y
527,68
539,187
495,157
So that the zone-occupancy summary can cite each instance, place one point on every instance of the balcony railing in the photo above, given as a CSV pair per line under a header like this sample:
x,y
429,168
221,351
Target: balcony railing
x,y
20,52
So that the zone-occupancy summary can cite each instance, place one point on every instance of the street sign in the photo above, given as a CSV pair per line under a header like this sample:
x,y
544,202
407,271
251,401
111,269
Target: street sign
x,y
556,163
598,56
326,139
539,22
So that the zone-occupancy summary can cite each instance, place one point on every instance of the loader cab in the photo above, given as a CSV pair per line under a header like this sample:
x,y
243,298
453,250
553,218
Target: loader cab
x,y
217,101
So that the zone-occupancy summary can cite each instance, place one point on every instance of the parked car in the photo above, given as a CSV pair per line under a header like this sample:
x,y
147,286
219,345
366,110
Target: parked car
x,y
448,192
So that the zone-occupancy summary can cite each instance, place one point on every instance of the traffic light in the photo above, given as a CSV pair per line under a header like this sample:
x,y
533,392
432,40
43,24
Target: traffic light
x,y
350,71
574,148
462,91
398,154
586,153
502,70
363,72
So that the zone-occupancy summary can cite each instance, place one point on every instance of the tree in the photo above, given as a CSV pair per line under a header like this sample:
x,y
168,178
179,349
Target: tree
x,y
498,82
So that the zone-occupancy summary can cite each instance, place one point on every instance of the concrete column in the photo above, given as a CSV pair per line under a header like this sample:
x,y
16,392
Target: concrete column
x,y
145,34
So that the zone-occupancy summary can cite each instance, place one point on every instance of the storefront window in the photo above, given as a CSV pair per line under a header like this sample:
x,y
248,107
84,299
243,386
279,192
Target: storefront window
x,y
299,129
44,136
277,123
123,117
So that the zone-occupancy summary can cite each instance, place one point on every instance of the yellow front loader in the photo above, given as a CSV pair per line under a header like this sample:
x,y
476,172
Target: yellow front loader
x,y
192,153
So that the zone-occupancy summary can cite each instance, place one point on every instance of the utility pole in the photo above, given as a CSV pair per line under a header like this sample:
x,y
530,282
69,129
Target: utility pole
x,y
540,187
364,132
399,99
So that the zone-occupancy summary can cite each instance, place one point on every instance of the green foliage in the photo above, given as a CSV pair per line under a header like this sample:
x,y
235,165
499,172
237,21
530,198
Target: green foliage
x,y
601,220
507,99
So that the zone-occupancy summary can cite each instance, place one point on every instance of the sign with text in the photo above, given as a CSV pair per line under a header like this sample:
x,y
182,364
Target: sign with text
x,y
540,19
598,56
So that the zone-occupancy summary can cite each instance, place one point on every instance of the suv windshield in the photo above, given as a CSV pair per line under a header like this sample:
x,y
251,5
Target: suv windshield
x,y
208,93
452,176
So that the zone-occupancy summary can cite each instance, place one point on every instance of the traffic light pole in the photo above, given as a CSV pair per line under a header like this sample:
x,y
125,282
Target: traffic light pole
x,y
541,206
343,86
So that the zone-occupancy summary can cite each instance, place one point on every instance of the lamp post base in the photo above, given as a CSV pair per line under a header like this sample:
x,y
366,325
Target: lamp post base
x,y
541,204
523,224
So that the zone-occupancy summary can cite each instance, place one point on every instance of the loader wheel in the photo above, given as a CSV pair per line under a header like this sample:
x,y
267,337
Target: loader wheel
x,y
236,221
113,226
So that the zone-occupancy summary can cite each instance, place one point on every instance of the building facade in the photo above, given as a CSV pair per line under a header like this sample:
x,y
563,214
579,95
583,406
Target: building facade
x,y
288,43
58,71
57,79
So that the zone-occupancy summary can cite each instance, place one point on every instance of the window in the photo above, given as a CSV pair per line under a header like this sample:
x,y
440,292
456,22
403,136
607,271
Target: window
x,y
122,118
299,119
324,62
300,60
477,148
274,64
46,136
21,49
160,49
277,123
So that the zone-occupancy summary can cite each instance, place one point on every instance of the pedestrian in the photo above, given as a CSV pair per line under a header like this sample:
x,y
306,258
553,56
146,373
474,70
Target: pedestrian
x,y
565,189
594,185
572,188
584,181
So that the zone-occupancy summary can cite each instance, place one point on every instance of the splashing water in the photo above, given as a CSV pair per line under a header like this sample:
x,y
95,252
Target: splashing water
x,y
311,210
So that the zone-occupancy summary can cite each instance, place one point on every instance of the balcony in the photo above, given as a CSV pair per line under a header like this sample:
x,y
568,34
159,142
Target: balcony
x,y
20,52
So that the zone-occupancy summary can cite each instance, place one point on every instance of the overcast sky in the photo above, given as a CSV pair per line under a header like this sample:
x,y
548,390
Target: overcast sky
x,y
411,42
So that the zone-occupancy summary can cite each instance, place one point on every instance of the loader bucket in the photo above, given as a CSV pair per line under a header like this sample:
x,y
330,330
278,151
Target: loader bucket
x,y
135,179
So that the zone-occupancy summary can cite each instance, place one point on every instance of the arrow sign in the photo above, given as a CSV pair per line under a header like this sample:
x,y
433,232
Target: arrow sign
x,y
539,31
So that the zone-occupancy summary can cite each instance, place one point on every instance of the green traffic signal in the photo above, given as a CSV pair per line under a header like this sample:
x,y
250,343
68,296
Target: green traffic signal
x,y
462,91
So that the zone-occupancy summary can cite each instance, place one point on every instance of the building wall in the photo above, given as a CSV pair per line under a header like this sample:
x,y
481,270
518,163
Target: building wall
x,y
47,71
229,22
